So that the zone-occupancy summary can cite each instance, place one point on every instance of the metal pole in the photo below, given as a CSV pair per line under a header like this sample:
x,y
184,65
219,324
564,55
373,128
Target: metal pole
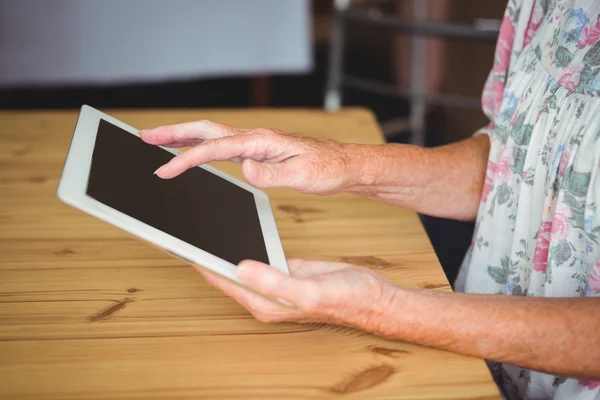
x,y
481,29
333,93
418,84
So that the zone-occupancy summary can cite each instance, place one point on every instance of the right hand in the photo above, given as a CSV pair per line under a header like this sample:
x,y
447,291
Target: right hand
x,y
270,158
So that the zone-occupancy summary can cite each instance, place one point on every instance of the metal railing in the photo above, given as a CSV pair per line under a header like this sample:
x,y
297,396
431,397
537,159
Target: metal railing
x,y
420,29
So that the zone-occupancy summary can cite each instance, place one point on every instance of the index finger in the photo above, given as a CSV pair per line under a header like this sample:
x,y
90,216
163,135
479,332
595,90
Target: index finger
x,y
213,150
188,131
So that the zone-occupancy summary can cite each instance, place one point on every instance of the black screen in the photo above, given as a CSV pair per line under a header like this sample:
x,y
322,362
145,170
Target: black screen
x,y
197,207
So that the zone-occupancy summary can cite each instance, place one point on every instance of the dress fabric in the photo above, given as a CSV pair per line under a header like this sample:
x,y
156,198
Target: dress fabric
x,y
538,226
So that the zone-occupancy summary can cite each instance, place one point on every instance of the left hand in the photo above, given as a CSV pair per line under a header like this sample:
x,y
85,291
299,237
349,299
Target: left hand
x,y
269,157
334,293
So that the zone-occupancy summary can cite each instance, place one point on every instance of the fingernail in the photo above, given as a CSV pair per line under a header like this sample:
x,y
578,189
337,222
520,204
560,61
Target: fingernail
x,y
159,169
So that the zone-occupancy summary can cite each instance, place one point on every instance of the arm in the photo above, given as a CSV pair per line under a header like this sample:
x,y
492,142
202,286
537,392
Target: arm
x,y
445,181
553,335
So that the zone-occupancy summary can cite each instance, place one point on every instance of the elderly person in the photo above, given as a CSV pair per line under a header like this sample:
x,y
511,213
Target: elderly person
x,y
530,179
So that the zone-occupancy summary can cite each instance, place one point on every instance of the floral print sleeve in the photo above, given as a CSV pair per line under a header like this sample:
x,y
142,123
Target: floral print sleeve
x,y
538,227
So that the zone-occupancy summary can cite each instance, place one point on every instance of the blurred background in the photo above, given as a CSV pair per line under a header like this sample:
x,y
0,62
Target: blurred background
x,y
419,65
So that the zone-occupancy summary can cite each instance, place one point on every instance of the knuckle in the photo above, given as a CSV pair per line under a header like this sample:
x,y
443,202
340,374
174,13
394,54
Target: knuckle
x,y
262,132
216,128
205,122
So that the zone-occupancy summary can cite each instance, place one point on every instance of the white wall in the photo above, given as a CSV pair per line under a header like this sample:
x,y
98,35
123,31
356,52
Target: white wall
x,y
49,42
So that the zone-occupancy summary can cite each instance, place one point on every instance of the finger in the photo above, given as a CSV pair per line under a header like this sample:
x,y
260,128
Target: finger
x,y
282,174
253,302
197,130
213,150
234,290
296,263
305,269
186,143
273,283
298,268
322,266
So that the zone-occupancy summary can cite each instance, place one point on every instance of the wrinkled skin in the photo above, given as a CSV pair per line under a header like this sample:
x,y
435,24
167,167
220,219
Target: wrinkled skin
x,y
327,292
319,291
269,157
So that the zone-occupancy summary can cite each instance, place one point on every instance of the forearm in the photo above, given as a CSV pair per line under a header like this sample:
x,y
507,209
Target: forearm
x,y
553,335
445,181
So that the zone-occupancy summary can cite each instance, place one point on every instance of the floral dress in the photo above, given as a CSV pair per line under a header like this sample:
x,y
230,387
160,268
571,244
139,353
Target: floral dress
x,y
538,227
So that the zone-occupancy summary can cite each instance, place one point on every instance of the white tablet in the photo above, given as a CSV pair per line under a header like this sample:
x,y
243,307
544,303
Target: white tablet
x,y
203,216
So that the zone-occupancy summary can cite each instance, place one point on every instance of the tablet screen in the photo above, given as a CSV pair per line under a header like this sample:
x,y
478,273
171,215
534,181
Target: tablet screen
x,y
197,207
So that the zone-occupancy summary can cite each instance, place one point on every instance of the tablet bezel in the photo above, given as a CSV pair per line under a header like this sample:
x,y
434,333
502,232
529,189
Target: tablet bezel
x,y
73,187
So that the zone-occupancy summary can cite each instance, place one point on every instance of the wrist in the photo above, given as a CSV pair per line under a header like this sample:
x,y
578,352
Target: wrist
x,y
386,314
363,166
381,170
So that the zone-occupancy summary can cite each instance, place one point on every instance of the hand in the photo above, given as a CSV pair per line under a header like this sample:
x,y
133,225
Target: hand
x,y
270,158
334,293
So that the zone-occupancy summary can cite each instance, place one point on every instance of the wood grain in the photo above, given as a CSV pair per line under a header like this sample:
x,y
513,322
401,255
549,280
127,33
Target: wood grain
x,y
87,311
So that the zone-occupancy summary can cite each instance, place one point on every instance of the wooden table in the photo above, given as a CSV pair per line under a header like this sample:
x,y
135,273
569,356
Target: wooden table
x,y
89,312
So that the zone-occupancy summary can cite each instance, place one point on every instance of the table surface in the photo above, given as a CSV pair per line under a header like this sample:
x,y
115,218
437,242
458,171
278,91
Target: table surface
x,y
88,311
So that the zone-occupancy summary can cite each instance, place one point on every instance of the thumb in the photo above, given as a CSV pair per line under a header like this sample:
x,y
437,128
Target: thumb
x,y
263,175
271,282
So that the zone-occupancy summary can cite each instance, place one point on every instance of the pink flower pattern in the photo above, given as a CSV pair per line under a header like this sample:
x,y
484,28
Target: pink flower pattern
x,y
560,223
594,278
489,180
589,35
570,77
506,38
537,16
503,169
527,112
540,256
590,385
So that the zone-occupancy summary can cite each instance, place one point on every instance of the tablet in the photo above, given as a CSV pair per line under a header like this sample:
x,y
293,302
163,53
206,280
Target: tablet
x,y
203,216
